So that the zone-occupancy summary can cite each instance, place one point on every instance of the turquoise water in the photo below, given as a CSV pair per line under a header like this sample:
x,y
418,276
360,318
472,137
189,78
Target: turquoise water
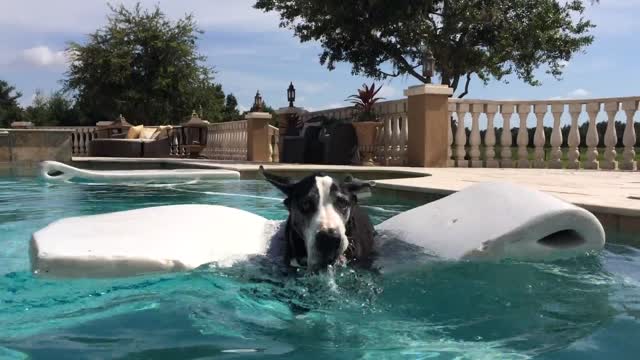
x,y
585,308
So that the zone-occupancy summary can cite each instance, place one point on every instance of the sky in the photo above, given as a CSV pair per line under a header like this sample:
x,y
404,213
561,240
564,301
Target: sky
x,y
250,52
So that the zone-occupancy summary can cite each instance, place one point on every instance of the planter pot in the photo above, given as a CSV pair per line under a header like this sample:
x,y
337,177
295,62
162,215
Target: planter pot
x,y
366,132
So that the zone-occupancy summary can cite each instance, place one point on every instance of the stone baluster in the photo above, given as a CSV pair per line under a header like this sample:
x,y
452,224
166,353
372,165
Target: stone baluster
x,y
610,137
405,139
573,154
539,138
556,137
393,149
474,138
461,136
490,138
523,136
398,140
506,139
276,149
592,162
388,141
450,161
629,137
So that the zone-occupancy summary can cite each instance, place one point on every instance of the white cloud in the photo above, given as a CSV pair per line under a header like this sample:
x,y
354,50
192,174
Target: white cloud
x,y
42,56
87,15
578,93
389,92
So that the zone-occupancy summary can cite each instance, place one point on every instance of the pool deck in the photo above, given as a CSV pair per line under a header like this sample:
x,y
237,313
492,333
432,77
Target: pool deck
x,y
613,196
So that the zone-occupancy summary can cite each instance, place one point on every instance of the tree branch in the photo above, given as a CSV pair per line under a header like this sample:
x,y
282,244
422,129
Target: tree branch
x,y
466,86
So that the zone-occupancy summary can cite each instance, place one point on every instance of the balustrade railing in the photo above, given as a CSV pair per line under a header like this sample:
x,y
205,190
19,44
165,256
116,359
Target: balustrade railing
x,y
227,141
274,139
477,148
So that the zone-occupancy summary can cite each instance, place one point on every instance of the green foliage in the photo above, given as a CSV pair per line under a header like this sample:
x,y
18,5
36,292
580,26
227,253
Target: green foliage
x,y
55,110
144,66
364,101
488,38
9,109
230,112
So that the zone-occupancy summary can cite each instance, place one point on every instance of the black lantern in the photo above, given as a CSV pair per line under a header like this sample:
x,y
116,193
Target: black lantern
x,y
258,103
195,132
291,94
428,64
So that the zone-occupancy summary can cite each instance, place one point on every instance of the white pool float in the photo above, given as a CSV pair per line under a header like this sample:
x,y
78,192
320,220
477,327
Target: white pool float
x,y
56,171
487,221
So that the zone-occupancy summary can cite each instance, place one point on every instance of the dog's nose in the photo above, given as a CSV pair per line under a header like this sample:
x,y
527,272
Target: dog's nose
x,y
328,242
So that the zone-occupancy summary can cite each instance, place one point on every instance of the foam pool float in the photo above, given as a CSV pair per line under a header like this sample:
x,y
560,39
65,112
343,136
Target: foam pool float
x,y
56,171
490,221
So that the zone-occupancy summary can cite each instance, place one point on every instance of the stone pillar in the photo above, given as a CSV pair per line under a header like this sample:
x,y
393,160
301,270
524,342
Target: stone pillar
x,y
284,116
428,125
258,136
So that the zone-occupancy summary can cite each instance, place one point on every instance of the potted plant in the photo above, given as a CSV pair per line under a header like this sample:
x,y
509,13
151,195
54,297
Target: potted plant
x,y
365,121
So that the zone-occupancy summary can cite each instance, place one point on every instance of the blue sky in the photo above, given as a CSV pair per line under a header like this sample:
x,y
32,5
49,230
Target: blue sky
x,y
250,52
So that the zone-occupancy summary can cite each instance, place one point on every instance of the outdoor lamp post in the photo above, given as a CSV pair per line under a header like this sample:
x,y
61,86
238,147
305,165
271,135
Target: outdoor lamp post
x,y
291,94
428,64
258,103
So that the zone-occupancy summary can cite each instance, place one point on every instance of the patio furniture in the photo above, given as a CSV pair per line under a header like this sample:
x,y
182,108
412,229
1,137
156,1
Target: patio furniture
x,y
305,148
119,146
340,145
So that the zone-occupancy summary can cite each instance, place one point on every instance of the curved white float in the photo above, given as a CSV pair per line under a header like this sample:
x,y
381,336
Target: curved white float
x,y
55,171
487,221
498,220
165,238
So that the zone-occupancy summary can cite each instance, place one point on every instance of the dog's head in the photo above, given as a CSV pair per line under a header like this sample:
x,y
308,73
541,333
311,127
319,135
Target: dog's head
x,y
319,210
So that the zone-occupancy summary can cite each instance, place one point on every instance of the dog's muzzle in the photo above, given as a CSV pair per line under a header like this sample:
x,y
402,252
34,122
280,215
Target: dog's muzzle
x,y
328,244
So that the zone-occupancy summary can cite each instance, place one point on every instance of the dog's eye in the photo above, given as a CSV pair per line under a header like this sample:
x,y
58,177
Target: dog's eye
x,y
342,203
306,205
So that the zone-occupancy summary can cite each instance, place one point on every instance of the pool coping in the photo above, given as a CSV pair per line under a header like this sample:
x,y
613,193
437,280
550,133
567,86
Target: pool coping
x,y
613,196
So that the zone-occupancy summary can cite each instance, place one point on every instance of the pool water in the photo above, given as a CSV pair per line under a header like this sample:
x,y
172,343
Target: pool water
x,y
584,308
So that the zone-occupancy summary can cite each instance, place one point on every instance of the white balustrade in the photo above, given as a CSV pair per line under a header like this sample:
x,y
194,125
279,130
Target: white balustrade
x,y
523,136
539,138
227,141
474,138
574,137
490,138
450,160
592,137
555,161
610,137
629,137
461,136
506,139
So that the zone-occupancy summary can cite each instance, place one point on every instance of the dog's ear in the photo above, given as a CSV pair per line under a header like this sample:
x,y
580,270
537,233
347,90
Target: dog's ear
x,y
283,183
360,188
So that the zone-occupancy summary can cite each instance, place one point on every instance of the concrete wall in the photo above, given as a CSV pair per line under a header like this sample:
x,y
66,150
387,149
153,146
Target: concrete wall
x,y
35,145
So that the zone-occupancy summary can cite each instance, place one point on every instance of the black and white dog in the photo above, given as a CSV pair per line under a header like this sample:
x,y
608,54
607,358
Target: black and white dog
x,y
325,224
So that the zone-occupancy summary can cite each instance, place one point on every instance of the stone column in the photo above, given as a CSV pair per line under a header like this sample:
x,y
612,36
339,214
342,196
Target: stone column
x,y
258,136
428,125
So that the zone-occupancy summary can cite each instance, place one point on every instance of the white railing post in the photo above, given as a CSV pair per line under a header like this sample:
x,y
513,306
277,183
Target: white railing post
x,y
592,162
556,137
388,142
404,137
539,138
450,160
490,137
574,137
523,136
474,138
461,136
506,157
610,137
629,137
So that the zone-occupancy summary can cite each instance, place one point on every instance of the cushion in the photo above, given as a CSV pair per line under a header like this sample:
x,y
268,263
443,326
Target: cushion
x,y
134,132
147,133
162,132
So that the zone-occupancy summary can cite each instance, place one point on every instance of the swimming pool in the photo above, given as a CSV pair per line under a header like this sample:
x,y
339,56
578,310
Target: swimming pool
x,y
585,308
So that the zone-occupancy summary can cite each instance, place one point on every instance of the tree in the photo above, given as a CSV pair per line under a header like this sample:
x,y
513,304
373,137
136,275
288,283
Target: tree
x,y
144,66
54,110
231,111
9,109
488,38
